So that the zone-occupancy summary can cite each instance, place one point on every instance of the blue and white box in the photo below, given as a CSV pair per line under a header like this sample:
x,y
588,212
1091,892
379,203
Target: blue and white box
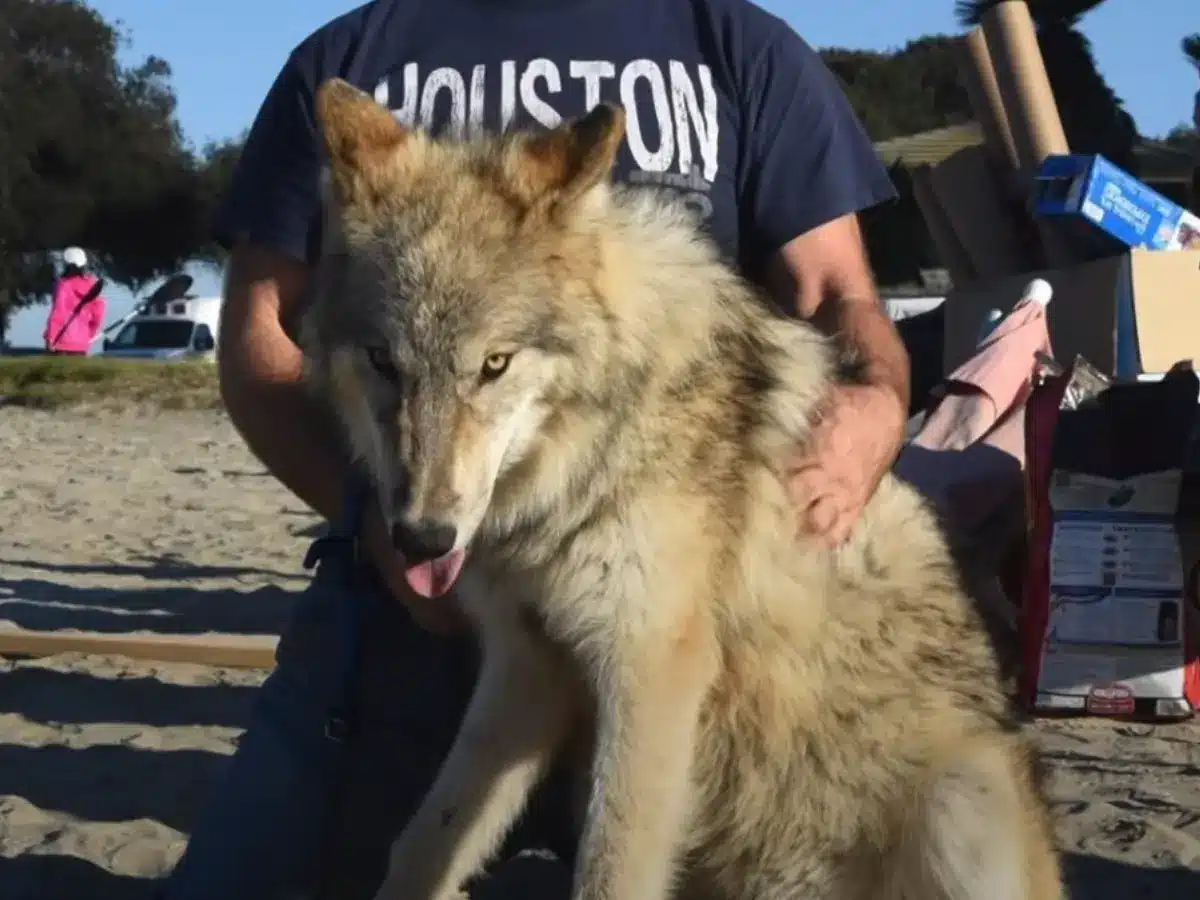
x,y
1114,202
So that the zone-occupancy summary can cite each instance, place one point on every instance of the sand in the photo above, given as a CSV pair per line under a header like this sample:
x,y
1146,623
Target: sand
x,y
165,523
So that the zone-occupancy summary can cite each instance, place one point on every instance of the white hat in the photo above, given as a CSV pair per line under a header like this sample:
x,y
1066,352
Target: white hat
x,y
73,256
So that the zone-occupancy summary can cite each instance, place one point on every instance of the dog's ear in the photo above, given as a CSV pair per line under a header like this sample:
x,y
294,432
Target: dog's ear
x,y
361,136
564,164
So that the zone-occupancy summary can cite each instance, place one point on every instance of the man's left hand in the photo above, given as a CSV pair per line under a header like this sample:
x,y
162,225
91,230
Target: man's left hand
x,y
850,450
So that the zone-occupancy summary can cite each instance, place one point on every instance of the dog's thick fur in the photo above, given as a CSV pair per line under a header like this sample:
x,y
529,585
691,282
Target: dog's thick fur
x,y
565,374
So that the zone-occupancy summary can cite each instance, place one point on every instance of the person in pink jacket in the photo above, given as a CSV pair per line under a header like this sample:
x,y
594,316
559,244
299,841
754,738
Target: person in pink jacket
x,y
77,311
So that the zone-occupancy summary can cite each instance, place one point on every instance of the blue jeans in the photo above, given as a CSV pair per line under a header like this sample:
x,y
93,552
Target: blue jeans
x,y
298,813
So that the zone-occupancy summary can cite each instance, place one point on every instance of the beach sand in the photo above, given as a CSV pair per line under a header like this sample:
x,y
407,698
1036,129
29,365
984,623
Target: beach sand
x,y
163,522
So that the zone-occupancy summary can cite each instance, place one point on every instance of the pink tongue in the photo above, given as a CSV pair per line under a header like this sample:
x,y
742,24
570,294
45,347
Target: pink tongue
x,y
435,578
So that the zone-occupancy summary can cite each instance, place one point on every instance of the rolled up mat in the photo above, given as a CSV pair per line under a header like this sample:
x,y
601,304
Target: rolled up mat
x,y
1029,104
1025,91
978,76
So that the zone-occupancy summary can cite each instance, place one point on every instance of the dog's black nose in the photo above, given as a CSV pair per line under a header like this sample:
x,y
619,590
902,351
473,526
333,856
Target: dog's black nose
x,y
423,541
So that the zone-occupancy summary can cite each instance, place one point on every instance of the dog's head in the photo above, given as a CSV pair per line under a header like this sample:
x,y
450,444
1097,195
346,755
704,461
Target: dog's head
x,y
453,306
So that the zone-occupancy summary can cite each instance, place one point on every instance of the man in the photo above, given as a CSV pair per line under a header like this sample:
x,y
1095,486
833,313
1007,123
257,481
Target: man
x,y
727,107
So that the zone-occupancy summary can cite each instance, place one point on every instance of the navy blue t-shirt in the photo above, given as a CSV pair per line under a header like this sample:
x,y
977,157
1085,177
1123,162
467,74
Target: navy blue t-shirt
x,y
724,103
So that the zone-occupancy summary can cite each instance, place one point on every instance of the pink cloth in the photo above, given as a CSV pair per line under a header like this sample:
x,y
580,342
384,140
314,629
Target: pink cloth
x,y
970,453
77,330
997,379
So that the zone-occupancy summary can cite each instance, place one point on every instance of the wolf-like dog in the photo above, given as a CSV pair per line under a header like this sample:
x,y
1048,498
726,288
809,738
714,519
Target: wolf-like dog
x,y
577,415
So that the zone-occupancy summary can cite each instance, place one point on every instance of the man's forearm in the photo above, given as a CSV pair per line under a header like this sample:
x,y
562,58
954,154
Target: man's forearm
x,y
825,276
862,324
286,430
294,438
261,375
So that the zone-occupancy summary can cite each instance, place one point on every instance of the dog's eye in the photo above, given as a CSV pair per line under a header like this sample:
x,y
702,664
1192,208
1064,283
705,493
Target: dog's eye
x,y
381,361
495,365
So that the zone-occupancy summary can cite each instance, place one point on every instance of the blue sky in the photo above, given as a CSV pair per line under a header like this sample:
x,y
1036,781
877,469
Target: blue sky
x,y
225,53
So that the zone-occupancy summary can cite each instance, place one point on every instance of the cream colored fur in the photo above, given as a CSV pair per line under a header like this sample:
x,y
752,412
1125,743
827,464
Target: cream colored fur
x,y
759,717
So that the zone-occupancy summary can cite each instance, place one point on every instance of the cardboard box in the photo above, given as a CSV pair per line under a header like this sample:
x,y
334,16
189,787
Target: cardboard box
x,y
986,223
1116,206
1128,314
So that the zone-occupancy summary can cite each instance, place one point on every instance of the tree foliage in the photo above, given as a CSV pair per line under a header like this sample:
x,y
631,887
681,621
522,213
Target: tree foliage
x,y
907,91
896,93
1191,49
91,153
1185,137
215,173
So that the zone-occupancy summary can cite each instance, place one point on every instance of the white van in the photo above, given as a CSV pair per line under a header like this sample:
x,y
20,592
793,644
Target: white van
x,y
171,324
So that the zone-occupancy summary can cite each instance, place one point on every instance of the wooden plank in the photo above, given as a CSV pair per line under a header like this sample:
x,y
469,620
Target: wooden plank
x,y
235,651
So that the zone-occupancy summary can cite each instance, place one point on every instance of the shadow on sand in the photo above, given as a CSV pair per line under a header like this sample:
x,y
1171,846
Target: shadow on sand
x,y
531,878
42,604
111,782
162,567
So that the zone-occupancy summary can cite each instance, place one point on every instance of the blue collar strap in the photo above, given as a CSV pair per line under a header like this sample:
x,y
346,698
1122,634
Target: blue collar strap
x,y
342,538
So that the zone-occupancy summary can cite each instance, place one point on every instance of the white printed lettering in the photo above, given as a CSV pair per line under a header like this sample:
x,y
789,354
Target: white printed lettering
x,y
508,93
445,79
680,100
591,72
406,112
475,104
691,119
539,109
648,160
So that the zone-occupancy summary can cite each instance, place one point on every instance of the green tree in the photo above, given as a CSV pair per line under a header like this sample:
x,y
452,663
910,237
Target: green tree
x,y
910,90
90,154
1184,136
215,173
906,91
1093,116
1191,49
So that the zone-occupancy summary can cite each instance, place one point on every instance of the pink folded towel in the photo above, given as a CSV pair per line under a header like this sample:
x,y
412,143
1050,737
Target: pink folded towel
x,y
970,452
996,380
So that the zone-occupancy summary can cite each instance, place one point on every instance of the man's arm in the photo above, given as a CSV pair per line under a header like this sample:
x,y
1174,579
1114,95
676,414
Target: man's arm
x,y
807,171
268,221
826,277
57,317
260,370
95,316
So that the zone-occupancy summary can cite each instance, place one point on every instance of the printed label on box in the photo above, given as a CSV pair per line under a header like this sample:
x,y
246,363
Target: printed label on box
x,y
1114,202
1115,629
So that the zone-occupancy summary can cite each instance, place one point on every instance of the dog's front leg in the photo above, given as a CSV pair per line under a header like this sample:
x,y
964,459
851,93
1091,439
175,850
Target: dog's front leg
x,y
649,701
514,724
